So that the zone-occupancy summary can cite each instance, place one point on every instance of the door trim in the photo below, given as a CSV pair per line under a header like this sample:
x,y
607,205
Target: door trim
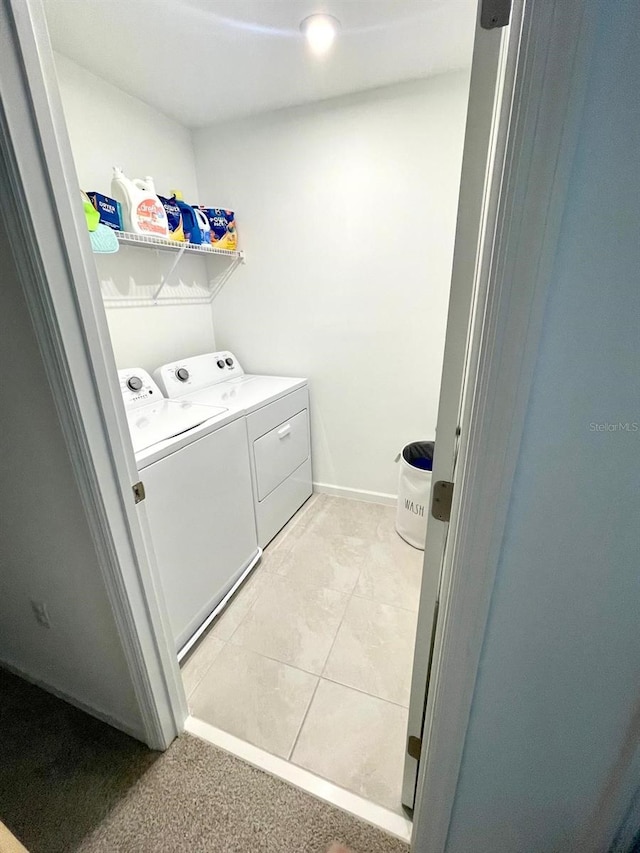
x,y
59,279
490,93
549,86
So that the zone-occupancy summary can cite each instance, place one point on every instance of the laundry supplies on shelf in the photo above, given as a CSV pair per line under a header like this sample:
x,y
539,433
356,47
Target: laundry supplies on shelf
x,y
205,228
109,209
91,214
136,208
142,210
174,218
223,227
103,239
190,222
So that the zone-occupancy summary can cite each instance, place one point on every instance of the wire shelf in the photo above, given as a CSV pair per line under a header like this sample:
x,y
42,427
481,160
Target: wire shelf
x,y
127,238
167,290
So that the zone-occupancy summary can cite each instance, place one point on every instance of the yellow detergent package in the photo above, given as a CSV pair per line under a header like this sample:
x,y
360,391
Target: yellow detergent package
x,y
223,227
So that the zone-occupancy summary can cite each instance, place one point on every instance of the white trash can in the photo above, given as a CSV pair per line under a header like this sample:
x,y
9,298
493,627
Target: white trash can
x,y
414,490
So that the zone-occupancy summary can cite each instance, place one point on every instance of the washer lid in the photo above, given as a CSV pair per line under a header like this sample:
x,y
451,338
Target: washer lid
x,y
165,419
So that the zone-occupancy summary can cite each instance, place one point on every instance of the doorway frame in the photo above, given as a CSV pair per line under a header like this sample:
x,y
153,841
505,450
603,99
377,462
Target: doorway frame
x,y
59,279
71,331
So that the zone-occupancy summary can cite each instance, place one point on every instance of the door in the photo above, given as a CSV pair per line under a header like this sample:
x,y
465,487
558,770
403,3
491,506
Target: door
x,y
494,47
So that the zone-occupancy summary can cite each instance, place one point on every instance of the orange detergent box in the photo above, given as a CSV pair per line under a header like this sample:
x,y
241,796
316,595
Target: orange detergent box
x,y
223,227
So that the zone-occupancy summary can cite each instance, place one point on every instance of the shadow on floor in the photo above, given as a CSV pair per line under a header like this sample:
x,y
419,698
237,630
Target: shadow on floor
x,y
61,771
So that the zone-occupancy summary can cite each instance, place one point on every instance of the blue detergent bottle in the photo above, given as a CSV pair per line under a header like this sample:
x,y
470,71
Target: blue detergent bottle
x,y
190,224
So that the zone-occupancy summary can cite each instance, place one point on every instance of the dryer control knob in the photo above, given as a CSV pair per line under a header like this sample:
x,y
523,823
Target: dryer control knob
x,y
220,363
134,383
182,374
229,361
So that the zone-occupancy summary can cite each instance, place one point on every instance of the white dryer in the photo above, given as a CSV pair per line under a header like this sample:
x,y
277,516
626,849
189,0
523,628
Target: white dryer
x,y
194,464
276,409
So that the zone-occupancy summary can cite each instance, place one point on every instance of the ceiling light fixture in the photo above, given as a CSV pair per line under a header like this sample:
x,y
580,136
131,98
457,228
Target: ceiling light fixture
x,y
320,31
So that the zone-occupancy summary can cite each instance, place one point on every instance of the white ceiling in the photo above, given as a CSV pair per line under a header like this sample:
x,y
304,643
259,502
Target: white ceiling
x,y
203,61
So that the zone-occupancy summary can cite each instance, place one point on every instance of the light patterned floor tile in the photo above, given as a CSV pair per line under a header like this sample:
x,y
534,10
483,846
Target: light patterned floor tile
x,y
373,651
391,573
195,667
254,698
348,517
241,603
298,523
337,588
321,559
292,623
356,741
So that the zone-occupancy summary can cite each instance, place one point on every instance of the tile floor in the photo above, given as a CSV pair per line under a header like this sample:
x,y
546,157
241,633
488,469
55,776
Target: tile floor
x,y
311,660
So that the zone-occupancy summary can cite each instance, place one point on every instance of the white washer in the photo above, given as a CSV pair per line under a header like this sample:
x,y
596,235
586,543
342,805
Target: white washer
x,y
194,464
276,409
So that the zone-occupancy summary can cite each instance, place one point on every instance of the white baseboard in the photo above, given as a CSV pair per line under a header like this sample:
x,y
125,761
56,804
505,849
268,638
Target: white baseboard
x,y
379,816
355,494
136,732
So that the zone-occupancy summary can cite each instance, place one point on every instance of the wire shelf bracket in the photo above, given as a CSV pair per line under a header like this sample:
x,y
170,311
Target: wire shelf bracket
x,y
167,277
207,293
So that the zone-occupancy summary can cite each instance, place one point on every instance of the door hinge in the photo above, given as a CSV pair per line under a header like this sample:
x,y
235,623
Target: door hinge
x,y
414,747
494,14
441,498
138,492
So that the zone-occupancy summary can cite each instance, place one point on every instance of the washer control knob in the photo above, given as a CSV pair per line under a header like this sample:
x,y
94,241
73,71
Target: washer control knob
x,y
229,361
220,363
134,383
182,374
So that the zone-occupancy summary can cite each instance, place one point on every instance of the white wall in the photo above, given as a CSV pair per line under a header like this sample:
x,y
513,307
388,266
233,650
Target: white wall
x,y
46,551
346,210
107,127
555,716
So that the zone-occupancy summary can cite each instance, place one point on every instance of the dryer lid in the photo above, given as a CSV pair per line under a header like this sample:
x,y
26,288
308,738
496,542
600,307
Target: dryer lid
x,y
248,392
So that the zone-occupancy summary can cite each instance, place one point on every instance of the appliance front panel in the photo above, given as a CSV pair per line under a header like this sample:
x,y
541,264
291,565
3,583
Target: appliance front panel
x,y
200,507
278,453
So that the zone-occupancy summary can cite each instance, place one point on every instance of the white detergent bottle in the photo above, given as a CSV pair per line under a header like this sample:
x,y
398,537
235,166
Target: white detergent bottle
x,y
142,210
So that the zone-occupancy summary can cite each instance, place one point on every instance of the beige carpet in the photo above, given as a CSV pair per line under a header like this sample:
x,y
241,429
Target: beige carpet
x,y
69,783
